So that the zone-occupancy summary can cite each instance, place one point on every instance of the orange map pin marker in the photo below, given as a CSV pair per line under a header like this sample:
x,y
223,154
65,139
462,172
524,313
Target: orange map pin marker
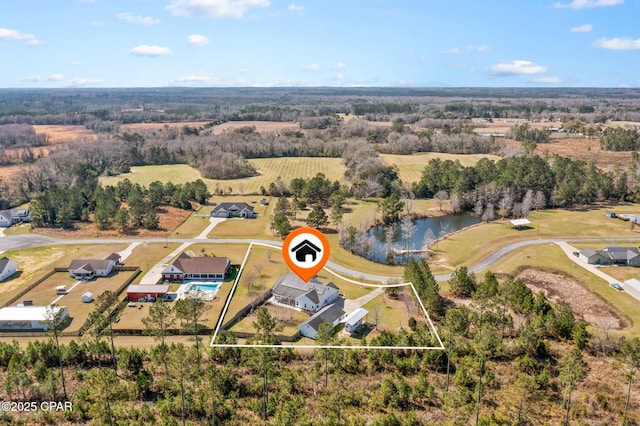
x,y
306,251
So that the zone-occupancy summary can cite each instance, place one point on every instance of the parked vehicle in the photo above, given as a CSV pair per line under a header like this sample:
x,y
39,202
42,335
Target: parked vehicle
x,y
616,286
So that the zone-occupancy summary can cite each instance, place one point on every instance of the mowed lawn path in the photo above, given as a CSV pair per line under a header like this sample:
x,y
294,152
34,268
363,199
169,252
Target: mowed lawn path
x,y
269,170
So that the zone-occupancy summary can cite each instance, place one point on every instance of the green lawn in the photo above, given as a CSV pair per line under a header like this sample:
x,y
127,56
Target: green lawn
x,y
411,166
147,255
34,262
193,225
470,246
393,313
269,170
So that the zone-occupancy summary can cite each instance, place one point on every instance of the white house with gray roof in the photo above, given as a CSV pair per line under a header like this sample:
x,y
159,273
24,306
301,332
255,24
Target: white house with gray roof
x,y
611,255
332,314
309,296
243,210
11,217
7,268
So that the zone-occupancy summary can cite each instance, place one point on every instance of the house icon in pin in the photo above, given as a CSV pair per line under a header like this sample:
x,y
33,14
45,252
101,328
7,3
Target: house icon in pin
x,y
306,250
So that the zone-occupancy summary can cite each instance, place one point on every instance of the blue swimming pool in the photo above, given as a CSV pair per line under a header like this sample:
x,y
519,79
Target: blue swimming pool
x,y
203,286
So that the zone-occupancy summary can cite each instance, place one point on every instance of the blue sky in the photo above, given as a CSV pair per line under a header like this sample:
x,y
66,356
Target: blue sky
x,y
222,43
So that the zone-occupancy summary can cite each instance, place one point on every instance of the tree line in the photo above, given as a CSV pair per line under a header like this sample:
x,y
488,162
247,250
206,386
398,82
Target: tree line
x,y
510,357
90,201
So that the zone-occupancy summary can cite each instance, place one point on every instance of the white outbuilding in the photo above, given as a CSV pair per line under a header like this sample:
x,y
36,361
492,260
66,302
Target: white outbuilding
x,y
354,320
87,297
29,318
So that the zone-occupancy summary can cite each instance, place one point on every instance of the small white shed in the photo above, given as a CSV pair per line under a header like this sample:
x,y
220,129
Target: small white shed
x,y
354,320
87,297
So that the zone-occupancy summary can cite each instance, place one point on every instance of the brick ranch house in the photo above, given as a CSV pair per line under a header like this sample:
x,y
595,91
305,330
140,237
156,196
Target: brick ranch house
x,y
187,267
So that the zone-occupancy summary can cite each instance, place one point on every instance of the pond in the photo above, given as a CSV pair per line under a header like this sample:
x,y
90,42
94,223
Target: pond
x,y
402,241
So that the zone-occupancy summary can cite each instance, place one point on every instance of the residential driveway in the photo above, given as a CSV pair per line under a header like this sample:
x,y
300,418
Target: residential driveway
x,y
213,222
154,275
127,252
569,249
351,305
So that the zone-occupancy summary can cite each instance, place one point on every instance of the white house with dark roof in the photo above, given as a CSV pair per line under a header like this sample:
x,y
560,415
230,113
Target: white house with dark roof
x,y
11,217
611,255
243,210
310,296
206,268
332,314
86,269
7,268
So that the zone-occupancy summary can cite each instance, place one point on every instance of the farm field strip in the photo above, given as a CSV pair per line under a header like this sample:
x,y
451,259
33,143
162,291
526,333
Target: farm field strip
x,y
269,170
411,166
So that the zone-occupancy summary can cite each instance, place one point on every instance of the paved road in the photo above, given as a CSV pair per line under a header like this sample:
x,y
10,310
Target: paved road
x,y
13,242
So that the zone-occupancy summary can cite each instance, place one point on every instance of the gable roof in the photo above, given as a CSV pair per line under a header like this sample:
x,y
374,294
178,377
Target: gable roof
x,y
4,262
11,213
89,264
588,252
113,256
291,286
148,288
355,316
327,314
201,265
232,207
615,252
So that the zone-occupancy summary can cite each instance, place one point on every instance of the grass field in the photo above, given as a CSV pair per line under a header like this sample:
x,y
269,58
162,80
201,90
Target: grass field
x,y
473,244
147,255
45,293
269,170
411,166
35,262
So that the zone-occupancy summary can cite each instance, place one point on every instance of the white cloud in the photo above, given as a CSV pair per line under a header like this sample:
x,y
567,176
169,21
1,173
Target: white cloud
x,y
452,51
197,40
7,34
340,77
96,24
582,28
56,77
552,79
137,19
458,66
618,43
146,50
517,67
214,8
587,4
340,66
85,82
311,67
483,48
76,63
296,8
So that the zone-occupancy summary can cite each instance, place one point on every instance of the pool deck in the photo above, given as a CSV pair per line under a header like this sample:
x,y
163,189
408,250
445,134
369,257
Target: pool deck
x,y
206,294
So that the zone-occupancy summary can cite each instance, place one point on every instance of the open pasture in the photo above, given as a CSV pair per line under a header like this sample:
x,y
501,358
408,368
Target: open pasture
x,y
411,166
269,170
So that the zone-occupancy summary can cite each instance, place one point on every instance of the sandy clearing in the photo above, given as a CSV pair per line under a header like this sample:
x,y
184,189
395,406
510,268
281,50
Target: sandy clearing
x,y
584,304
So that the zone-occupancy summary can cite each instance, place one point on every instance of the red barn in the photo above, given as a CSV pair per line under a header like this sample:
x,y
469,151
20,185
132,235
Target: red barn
x,y
142,292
